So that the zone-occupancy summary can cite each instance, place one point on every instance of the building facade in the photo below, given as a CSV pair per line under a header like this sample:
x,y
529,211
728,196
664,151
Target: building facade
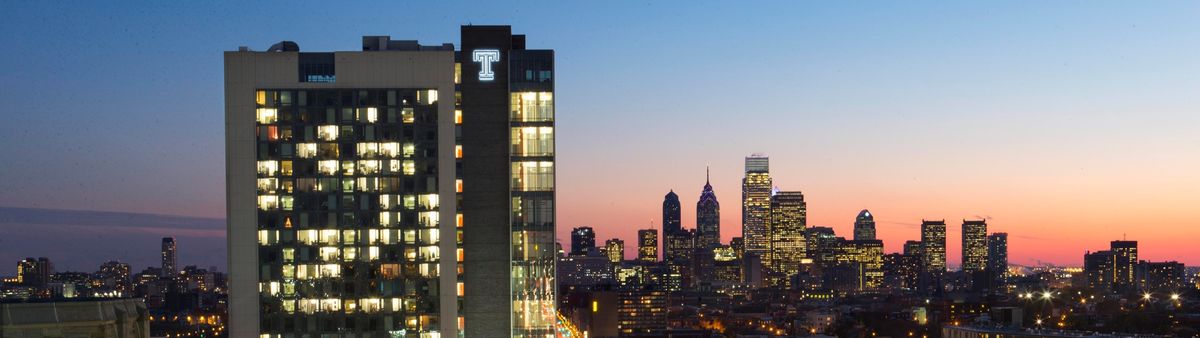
x,y
345,172
648,245
614,249
756,204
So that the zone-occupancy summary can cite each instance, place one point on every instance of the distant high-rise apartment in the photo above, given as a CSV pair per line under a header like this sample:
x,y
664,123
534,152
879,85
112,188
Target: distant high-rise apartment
x,y
756,204
648,245
169,269
1125,259
708,218
864,226
997,259
34,272
614,249
401,177
974,245
787,221
582,240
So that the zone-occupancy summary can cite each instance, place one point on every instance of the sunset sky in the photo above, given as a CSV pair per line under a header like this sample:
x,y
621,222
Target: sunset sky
x,y
1066,124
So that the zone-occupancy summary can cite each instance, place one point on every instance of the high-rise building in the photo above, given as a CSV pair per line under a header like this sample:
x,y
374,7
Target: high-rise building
x,y
34,272
582,240
648,245
933,255
974,246
346,169
901,271
169,269
1125,259
708,218
865,261
864,226
1098,269
115,275
672,214
787,221
614,249
997,259
680,248
912,248
1160,277
756,204
933,245
821,245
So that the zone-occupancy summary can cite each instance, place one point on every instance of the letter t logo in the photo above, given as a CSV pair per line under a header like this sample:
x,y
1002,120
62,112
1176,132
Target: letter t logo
x,y
486,57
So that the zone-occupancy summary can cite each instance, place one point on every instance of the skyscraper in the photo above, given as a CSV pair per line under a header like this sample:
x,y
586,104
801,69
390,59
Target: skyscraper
x,y
997,259
648,245
169,269
864,226
582,240
787,221
34,272
756,204
672,214
933,255
974,246
674,243
615,250
708,218
341,171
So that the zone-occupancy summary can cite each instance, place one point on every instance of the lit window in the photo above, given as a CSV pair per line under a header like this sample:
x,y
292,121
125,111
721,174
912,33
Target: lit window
x,y
533,176
268,168
407,115
268,202
458,151
410,167
327,133
409,150
267,115
306,150
458,185
285,168
458,116
327,167
389,149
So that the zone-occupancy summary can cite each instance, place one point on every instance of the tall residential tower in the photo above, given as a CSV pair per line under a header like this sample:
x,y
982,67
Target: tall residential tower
x,y
406,181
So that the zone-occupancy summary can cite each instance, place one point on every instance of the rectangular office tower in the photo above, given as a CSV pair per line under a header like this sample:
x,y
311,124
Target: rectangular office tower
x,y
392,191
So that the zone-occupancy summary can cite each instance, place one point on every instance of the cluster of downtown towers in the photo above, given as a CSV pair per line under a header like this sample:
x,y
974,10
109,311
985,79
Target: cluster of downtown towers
x,y
778,248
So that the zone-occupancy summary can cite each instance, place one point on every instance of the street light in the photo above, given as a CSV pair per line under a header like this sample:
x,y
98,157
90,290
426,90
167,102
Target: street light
x,y
1146,296
1046,295
1174,296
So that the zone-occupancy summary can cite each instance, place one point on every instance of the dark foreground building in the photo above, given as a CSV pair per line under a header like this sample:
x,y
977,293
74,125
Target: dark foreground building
x,y
392,191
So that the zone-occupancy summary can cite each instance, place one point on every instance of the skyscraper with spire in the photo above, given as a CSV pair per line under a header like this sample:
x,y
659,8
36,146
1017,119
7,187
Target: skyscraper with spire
x,y
756,204
708,217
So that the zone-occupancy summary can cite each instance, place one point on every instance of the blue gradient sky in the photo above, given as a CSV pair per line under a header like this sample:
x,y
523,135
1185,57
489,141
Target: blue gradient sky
x,y
1067,123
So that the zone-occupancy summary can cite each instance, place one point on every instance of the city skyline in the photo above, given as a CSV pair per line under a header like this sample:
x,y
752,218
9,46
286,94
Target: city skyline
x,y
1028,119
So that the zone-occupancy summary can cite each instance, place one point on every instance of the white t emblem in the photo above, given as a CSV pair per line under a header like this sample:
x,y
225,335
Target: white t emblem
x,y
486,57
